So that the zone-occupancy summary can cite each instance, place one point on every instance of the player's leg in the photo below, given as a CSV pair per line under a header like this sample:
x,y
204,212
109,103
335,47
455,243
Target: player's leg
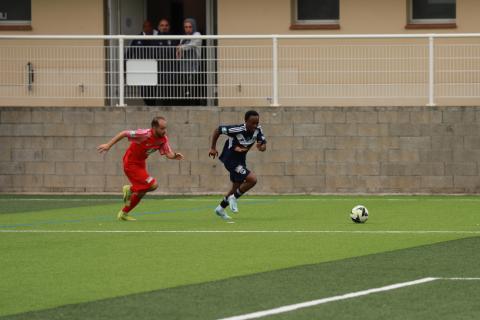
x,y
142,183
231,199
249,182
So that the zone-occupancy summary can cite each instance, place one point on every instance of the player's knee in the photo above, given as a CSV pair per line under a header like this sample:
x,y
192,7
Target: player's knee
x,y
154,187
252,179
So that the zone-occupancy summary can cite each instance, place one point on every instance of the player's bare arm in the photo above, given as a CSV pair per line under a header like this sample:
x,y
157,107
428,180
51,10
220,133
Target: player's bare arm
x,y
106,146
261,146
174,156
213,148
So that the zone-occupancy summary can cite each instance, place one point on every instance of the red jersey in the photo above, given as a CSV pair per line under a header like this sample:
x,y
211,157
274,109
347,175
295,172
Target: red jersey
x,y
143,143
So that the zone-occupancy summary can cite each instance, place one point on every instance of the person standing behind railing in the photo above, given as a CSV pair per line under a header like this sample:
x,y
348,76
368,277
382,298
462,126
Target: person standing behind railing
x,y
144,49
189,54
166,64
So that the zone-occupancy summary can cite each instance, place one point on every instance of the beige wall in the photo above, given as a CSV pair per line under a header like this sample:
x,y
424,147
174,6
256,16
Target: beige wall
x,y
62,68
379,16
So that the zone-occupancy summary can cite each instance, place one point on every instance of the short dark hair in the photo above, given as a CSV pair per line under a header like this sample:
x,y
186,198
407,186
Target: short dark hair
x,y
251,113
155,121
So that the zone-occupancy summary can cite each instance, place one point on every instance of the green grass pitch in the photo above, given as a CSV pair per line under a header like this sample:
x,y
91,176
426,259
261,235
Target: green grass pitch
x,y
67,257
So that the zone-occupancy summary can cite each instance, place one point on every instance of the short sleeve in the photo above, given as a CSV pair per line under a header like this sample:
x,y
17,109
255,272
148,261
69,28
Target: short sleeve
x,y
261,136
230,130
138,135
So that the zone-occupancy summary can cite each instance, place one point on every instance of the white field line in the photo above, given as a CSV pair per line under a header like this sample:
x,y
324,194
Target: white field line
x,y
248,231
255,200
292,307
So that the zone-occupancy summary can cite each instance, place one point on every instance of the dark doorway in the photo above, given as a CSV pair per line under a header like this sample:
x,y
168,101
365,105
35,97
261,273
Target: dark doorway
x,y
176,11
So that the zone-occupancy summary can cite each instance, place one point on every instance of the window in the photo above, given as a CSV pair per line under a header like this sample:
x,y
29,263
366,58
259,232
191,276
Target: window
x,y
316,11
15,13
432,11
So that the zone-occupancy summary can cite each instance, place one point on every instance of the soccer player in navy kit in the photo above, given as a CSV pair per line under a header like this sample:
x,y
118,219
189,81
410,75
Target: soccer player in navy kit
x,y
240,139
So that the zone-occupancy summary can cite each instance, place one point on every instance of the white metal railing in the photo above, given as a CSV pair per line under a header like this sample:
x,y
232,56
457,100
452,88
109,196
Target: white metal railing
x,y
381,69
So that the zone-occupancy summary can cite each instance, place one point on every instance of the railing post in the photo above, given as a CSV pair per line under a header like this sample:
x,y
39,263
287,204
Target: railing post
x,y
431,71
274,102
121,72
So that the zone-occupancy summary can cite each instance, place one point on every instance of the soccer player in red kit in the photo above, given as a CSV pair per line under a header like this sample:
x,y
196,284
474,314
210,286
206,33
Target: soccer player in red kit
x,y
143,143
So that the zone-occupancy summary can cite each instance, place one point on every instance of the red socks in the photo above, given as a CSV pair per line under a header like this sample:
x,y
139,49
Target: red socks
x,y
134,200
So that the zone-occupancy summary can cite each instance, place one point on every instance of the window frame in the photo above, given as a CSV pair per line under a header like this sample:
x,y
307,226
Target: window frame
x,y
17,24
429,21
297,21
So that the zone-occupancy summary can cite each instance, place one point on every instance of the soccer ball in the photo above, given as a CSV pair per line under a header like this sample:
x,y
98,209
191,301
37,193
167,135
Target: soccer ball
x,y
359,214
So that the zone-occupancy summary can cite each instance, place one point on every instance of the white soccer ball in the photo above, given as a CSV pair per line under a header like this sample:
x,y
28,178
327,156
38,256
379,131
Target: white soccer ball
x,y
359,214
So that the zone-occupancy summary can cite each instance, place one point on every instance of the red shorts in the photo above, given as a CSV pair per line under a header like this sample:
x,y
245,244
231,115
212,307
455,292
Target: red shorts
x,y
138,176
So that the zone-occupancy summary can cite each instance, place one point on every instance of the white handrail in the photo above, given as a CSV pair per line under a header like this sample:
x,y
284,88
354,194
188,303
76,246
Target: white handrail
x,y
226,37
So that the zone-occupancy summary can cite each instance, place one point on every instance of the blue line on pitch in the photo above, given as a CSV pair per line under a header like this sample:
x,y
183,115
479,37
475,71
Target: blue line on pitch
x,y
109,218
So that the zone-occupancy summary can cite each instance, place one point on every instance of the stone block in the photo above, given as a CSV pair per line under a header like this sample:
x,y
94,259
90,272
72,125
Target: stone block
x,y
461,169
310,183
44,116
436,155
210,168
308,130
89,155
340,155
295,116
97,182
372,129
437,182
447,142
404,130
318,143
58,181
76,116
184,182
17,116
12,168
58,130
39,167
362,117
266,169
277,130
273,156
415,143
68,142
110,115
88,130
22,155
468,183
28,182
271,117
341,129
275,184
458,115
426,116
312,155
6,182
301,169
327,116
58,155
70,168
284,143
403,155
385,116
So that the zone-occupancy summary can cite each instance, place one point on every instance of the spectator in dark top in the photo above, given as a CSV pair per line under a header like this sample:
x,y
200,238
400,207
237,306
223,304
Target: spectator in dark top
x,y
166,64
189,54
144,49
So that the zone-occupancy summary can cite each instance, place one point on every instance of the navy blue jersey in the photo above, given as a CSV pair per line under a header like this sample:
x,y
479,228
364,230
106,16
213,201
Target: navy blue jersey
x,y
239,136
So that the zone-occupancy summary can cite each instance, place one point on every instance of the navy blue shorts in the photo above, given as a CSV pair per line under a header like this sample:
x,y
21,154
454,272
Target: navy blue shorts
x,y
238,172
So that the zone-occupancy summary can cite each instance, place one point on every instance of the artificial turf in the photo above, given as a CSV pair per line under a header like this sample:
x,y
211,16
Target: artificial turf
x,y
179,261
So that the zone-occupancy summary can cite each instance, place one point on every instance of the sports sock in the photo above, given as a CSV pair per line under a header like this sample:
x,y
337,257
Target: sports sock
x,y
224,203
238,193
134,200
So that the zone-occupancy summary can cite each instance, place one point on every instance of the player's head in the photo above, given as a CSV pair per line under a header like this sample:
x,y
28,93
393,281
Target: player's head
x,y
147,27
251,120
159,126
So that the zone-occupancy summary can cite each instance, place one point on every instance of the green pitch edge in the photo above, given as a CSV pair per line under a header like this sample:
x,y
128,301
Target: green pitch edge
x,y
245,294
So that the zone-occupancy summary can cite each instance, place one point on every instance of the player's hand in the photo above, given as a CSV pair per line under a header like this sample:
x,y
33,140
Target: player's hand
x,y
178,156
240,149
261,146
103,148
213,153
